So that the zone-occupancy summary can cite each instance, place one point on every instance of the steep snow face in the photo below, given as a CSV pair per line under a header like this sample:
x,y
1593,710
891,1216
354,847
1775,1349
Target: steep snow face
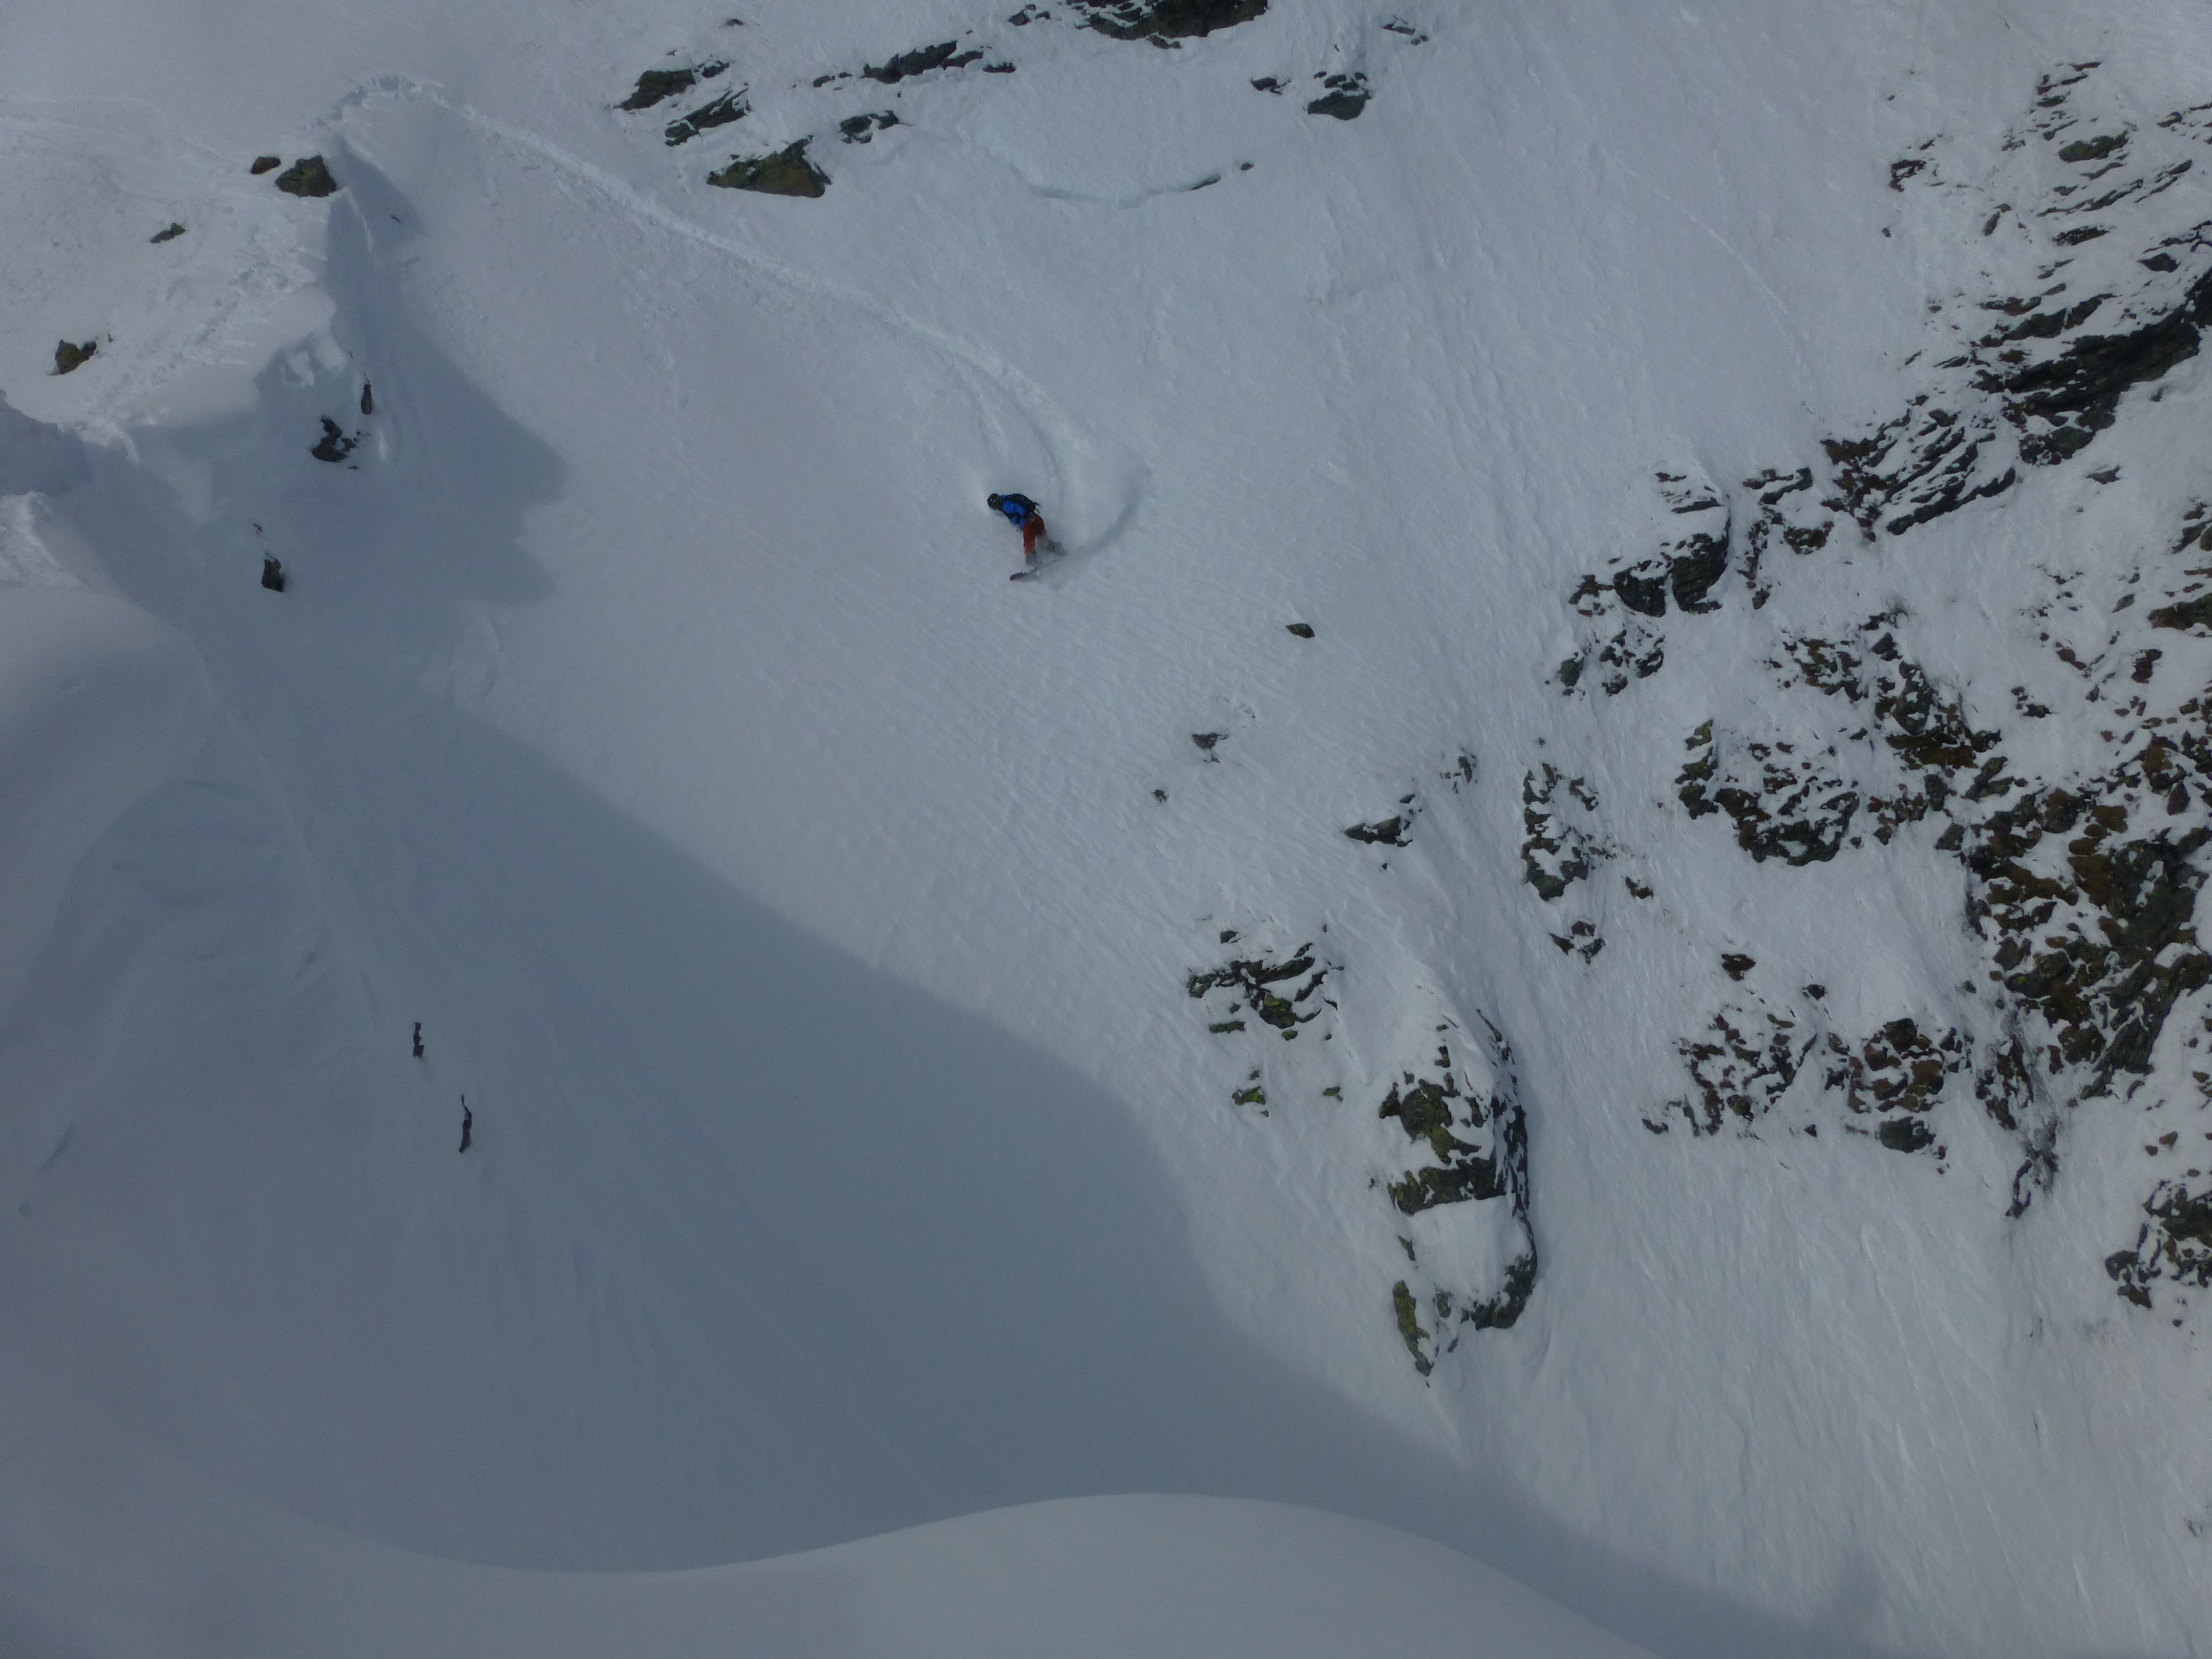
x,y
1570,924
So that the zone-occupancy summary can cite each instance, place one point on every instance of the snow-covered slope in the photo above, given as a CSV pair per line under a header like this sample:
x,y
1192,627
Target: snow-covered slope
x,y
1569,928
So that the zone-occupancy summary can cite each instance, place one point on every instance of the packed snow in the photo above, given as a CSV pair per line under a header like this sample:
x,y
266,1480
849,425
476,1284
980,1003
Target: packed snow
x,y
1544,1001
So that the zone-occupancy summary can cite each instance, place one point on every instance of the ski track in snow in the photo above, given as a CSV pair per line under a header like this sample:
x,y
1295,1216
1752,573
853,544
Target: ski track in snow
x,y
1052,424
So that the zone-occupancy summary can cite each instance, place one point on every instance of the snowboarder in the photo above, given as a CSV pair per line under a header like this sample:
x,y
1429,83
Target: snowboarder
x,y
1022,512
272,573
418,1039
468,1124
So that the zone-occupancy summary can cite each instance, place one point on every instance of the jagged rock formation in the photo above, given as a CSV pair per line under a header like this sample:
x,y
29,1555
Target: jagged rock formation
x,y
1563,843
1465,1201
2079,872
1166,20
657,85
945,54
1252,984
1452,1159
715,112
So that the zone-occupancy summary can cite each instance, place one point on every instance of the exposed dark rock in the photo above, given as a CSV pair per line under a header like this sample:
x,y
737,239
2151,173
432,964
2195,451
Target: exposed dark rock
x,y
1746,1061
1254,980
335,444
1557,851
1410,1329
308,176
68,358
788,172
2175,1244
1303,630
265,164
946,54
1643,587
2190,614
1166,20
1785,804
717,113
1898,1069
2076,395
1343,97
657,86
171,235
1903,1134
2092,150
272,574
1388,832
2079,885
2104,980
1478,1140
1697,555
1692,554
860,129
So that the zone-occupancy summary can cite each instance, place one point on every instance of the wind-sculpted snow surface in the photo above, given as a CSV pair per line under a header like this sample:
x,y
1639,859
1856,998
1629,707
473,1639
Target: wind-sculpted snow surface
x,y
1574,931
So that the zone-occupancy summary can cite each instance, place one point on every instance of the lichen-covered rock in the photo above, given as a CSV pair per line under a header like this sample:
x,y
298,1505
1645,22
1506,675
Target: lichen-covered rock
x,y
2072,820
1896,1075
862,128
1342,96
1464,1201
1273,992
2175,1244
1562,844
716,112
308,176
788,172
1784,803
1745,1060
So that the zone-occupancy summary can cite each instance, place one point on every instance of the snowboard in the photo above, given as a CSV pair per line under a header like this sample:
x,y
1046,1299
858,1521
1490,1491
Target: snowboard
x,y
1049,553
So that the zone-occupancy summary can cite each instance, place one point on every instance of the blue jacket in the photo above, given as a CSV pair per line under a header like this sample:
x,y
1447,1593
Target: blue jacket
x,y
1017,509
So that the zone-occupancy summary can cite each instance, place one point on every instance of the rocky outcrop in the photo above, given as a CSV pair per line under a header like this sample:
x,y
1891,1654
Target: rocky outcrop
x,y
1166,20
1562,844
1464,1199
716,112
945,54
2074,828
657,85
786,173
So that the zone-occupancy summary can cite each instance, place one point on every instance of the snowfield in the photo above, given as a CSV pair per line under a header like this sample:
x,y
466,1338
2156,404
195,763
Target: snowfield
x,y
1544,1001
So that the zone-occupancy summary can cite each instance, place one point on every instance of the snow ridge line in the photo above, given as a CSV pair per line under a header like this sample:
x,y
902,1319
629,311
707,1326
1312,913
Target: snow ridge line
x,y
1052,425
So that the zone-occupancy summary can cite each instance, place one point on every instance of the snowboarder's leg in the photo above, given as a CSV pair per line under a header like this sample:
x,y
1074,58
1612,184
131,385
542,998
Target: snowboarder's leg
x,y
1032,534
